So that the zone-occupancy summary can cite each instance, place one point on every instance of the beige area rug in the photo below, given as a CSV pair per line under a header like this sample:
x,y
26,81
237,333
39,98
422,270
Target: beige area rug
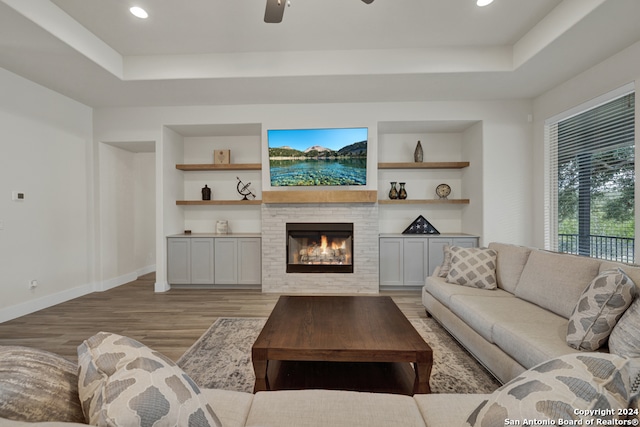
x,y
221,358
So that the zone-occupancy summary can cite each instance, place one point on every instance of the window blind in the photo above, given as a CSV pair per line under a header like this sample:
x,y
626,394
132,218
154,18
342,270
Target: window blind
x,y
592,181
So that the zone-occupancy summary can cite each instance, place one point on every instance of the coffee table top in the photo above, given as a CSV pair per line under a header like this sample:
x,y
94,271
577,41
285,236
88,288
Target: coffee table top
x,y
340,328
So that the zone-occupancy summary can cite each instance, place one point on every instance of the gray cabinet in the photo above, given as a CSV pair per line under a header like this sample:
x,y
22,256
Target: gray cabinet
x,y
249,261
406,260
214,260
226,262
179,260
190,261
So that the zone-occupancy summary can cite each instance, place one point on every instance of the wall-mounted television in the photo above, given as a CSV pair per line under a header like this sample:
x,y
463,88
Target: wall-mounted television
x,y
318,157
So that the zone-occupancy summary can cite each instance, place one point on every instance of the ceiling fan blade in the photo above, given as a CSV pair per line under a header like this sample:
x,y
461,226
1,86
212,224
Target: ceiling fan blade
x,y
274,11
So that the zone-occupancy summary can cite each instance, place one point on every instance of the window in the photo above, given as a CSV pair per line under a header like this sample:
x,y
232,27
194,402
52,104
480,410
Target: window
x,y
592,180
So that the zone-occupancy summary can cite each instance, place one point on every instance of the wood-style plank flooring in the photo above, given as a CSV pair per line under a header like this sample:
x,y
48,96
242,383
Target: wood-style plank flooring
x,y
169,322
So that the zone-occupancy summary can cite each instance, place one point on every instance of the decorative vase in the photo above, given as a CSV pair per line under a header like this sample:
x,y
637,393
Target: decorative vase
x,y
393,193
206,193
222,227
402,193
417,155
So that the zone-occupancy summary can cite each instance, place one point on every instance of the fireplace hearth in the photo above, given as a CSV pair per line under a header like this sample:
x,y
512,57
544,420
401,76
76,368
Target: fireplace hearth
x,y
319,247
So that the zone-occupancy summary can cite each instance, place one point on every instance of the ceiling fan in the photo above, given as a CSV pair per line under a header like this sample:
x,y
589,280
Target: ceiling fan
x,y
275,10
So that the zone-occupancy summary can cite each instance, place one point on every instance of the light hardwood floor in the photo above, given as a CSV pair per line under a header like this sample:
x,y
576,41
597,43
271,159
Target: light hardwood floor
x,y
169,322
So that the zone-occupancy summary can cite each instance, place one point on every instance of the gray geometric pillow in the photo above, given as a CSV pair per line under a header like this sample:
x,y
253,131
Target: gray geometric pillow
x,y
124,383
598,309
36,385
625,339
475,267
562,388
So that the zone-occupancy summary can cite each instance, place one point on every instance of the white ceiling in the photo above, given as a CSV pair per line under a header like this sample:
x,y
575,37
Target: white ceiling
x,y
213,52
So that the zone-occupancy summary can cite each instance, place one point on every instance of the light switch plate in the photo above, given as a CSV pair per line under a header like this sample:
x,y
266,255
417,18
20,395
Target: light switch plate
x,y
17,196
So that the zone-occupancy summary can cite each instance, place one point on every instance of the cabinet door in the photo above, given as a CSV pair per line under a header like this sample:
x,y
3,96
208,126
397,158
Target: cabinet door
x,y
436,251
249,261
466,242
415,260
179,261
202,261
391,264
226,261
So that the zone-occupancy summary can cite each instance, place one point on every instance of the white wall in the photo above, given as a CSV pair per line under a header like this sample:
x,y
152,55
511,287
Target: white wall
x,y
45,152
127,215
144,182
502,204
620,69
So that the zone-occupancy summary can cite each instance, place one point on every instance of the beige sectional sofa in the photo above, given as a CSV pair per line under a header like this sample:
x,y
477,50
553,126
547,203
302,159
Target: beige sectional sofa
x,y
524,321
517,330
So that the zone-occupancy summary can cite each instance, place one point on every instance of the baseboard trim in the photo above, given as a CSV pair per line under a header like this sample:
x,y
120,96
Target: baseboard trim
x,y
28,307
105,285
43,302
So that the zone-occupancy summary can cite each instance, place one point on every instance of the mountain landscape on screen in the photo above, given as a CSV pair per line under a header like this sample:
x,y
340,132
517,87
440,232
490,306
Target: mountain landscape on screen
x,y
318,157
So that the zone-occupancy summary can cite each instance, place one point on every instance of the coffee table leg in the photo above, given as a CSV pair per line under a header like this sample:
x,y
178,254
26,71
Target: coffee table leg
x,y
423,372
260,369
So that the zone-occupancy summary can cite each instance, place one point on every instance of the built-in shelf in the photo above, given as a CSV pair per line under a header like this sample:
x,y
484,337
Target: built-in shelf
x,y
424,201
424,165
217,202
218,167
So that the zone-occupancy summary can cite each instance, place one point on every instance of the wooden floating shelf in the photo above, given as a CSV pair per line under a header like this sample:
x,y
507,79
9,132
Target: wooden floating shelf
x,y
217,202
220,167
347,196
423,165
424,201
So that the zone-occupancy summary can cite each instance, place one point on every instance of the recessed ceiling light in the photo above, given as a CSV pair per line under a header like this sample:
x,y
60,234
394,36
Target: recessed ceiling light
x,y
139,12
484,2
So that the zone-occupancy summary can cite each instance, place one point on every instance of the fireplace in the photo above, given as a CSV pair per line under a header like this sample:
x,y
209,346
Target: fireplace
x,y
319,247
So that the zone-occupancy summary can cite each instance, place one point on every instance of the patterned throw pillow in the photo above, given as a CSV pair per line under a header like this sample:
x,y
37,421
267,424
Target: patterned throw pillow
x,y
598,309
565,388
124,383
446,262
475,267
625,340
36,385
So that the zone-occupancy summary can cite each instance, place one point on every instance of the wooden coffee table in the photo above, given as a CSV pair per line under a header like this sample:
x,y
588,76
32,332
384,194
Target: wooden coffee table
x,y
347,338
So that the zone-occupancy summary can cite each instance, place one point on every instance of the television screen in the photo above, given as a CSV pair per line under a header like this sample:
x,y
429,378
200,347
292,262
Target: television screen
x,y
308,157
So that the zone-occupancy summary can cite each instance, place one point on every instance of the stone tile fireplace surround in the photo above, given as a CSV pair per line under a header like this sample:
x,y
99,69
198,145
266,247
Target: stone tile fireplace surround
x,y
364,278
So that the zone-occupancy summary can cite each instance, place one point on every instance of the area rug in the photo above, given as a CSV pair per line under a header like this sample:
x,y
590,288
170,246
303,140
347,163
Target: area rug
x,y
221,358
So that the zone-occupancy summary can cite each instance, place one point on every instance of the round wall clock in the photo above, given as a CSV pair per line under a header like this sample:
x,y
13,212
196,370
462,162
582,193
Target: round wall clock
x,y
443,191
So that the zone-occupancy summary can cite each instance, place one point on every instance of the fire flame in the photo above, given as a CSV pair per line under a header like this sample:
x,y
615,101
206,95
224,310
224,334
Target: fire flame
x,y
334,245
323,244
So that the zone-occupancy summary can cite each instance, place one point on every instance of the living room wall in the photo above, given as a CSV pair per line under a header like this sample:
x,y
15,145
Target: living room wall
x,y
127,214
613,73
46,152
499,211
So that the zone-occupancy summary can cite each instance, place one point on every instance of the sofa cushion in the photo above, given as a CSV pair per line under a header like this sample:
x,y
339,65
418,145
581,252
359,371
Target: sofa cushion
x,y
555,281
231,407
322,408
599,308
565,388
624,339
36,385
447,409
510,262
483,312
123,382
530,343
474,267
443,291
